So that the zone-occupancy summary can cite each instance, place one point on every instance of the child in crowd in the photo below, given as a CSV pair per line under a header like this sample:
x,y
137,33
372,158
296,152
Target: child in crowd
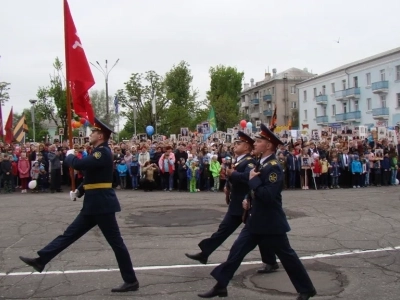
x,y
356,169
193,174
215,169
43,179
377,172
182,174
134,172
6,169
122,170
335,173
206,174
324,172
35,175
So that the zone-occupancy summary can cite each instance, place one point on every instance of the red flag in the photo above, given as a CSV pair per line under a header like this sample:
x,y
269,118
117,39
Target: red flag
x,y
79,75
9,130
1,122
274,120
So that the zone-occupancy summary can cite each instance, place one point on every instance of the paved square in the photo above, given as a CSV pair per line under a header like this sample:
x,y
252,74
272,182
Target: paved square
x,y
160,227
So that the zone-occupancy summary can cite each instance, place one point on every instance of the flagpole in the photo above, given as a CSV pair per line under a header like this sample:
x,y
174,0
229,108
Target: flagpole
x,y
68,95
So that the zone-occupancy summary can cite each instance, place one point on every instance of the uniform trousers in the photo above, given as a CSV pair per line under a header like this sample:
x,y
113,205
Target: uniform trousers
x,y
228,225
81,225
279,243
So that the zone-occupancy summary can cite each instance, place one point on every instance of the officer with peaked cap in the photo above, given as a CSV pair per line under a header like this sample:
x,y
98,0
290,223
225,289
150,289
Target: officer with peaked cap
x,y
266,223
99,207
237,179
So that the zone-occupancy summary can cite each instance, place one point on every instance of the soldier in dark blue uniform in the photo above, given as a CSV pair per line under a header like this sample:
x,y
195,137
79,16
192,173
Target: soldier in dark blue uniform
x,y
99,207
238,179
266,223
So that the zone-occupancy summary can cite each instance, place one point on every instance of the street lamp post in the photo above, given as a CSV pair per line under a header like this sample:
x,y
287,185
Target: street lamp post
x,y
33,101
105,72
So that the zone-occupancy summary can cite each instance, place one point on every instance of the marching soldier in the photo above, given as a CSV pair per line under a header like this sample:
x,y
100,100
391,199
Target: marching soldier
x,y
238,178
99,207
266,224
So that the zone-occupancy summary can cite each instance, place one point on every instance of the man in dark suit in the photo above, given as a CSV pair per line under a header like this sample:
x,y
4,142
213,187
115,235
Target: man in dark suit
x,y
266,223
99,207
238,179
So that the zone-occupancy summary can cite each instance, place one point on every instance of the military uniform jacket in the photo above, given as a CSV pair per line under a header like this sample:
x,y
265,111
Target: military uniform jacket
x,y
239,181
100,197
266,215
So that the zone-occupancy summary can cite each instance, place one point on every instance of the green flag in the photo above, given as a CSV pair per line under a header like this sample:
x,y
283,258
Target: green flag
x,y
211,120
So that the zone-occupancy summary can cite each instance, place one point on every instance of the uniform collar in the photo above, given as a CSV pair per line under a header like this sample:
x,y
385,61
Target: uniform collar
x,y
268,158
105,144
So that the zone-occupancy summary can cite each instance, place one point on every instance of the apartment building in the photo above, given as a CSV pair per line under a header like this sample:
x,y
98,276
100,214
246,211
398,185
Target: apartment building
x,y
364,92
258,100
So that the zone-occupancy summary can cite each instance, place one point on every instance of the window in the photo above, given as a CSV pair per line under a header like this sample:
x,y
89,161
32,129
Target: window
x,y
356,105
368,78
315,92
343,84
383,75
269,91
398,99
397,72
294,104
273,90
369,104
355,81
293,90
333,87
323,90
383,101
305,96
305,114
324,110
344,108
315,112
333,110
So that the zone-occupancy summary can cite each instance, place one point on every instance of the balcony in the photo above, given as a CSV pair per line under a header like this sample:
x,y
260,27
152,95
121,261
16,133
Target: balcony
x,y
267,98
244,104
255,101
268,113
380,113
349,117
340,95
322,99
352,93
255,115
322,120
380,87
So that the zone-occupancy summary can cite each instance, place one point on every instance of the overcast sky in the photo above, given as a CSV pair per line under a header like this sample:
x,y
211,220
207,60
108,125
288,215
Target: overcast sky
x,y
155,34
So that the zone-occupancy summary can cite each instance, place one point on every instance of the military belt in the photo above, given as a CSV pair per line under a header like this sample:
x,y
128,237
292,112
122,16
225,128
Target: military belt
x,y
93,186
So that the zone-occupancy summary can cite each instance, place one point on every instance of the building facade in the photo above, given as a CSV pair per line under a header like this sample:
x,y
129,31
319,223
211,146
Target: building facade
x,y
365,92
258,100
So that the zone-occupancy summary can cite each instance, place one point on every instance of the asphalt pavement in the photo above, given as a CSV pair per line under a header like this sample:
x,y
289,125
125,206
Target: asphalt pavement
x,y
348,239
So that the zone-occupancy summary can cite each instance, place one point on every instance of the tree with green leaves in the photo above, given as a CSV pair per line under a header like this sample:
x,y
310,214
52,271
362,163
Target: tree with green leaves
x,y
98,99
4,88
225,88
52,100
139,92
295,118
183,106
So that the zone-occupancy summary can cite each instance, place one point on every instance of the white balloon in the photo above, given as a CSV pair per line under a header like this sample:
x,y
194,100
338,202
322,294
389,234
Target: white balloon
x,y
397,181
32,184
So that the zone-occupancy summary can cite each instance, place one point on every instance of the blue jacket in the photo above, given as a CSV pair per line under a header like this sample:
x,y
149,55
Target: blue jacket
x,y
334,170
189,173
292,163
356,166
385,163
134,168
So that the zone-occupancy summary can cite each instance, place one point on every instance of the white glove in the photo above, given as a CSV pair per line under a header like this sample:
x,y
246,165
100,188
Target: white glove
x,y
73,195
71,151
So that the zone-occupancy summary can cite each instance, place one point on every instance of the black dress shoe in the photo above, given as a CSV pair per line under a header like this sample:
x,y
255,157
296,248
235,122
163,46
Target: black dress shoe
x,y
126,287
215,292
269,269
33,262
199,257
306,296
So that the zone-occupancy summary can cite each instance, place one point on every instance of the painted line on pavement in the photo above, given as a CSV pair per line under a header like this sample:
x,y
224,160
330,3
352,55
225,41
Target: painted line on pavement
x,y
310,257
